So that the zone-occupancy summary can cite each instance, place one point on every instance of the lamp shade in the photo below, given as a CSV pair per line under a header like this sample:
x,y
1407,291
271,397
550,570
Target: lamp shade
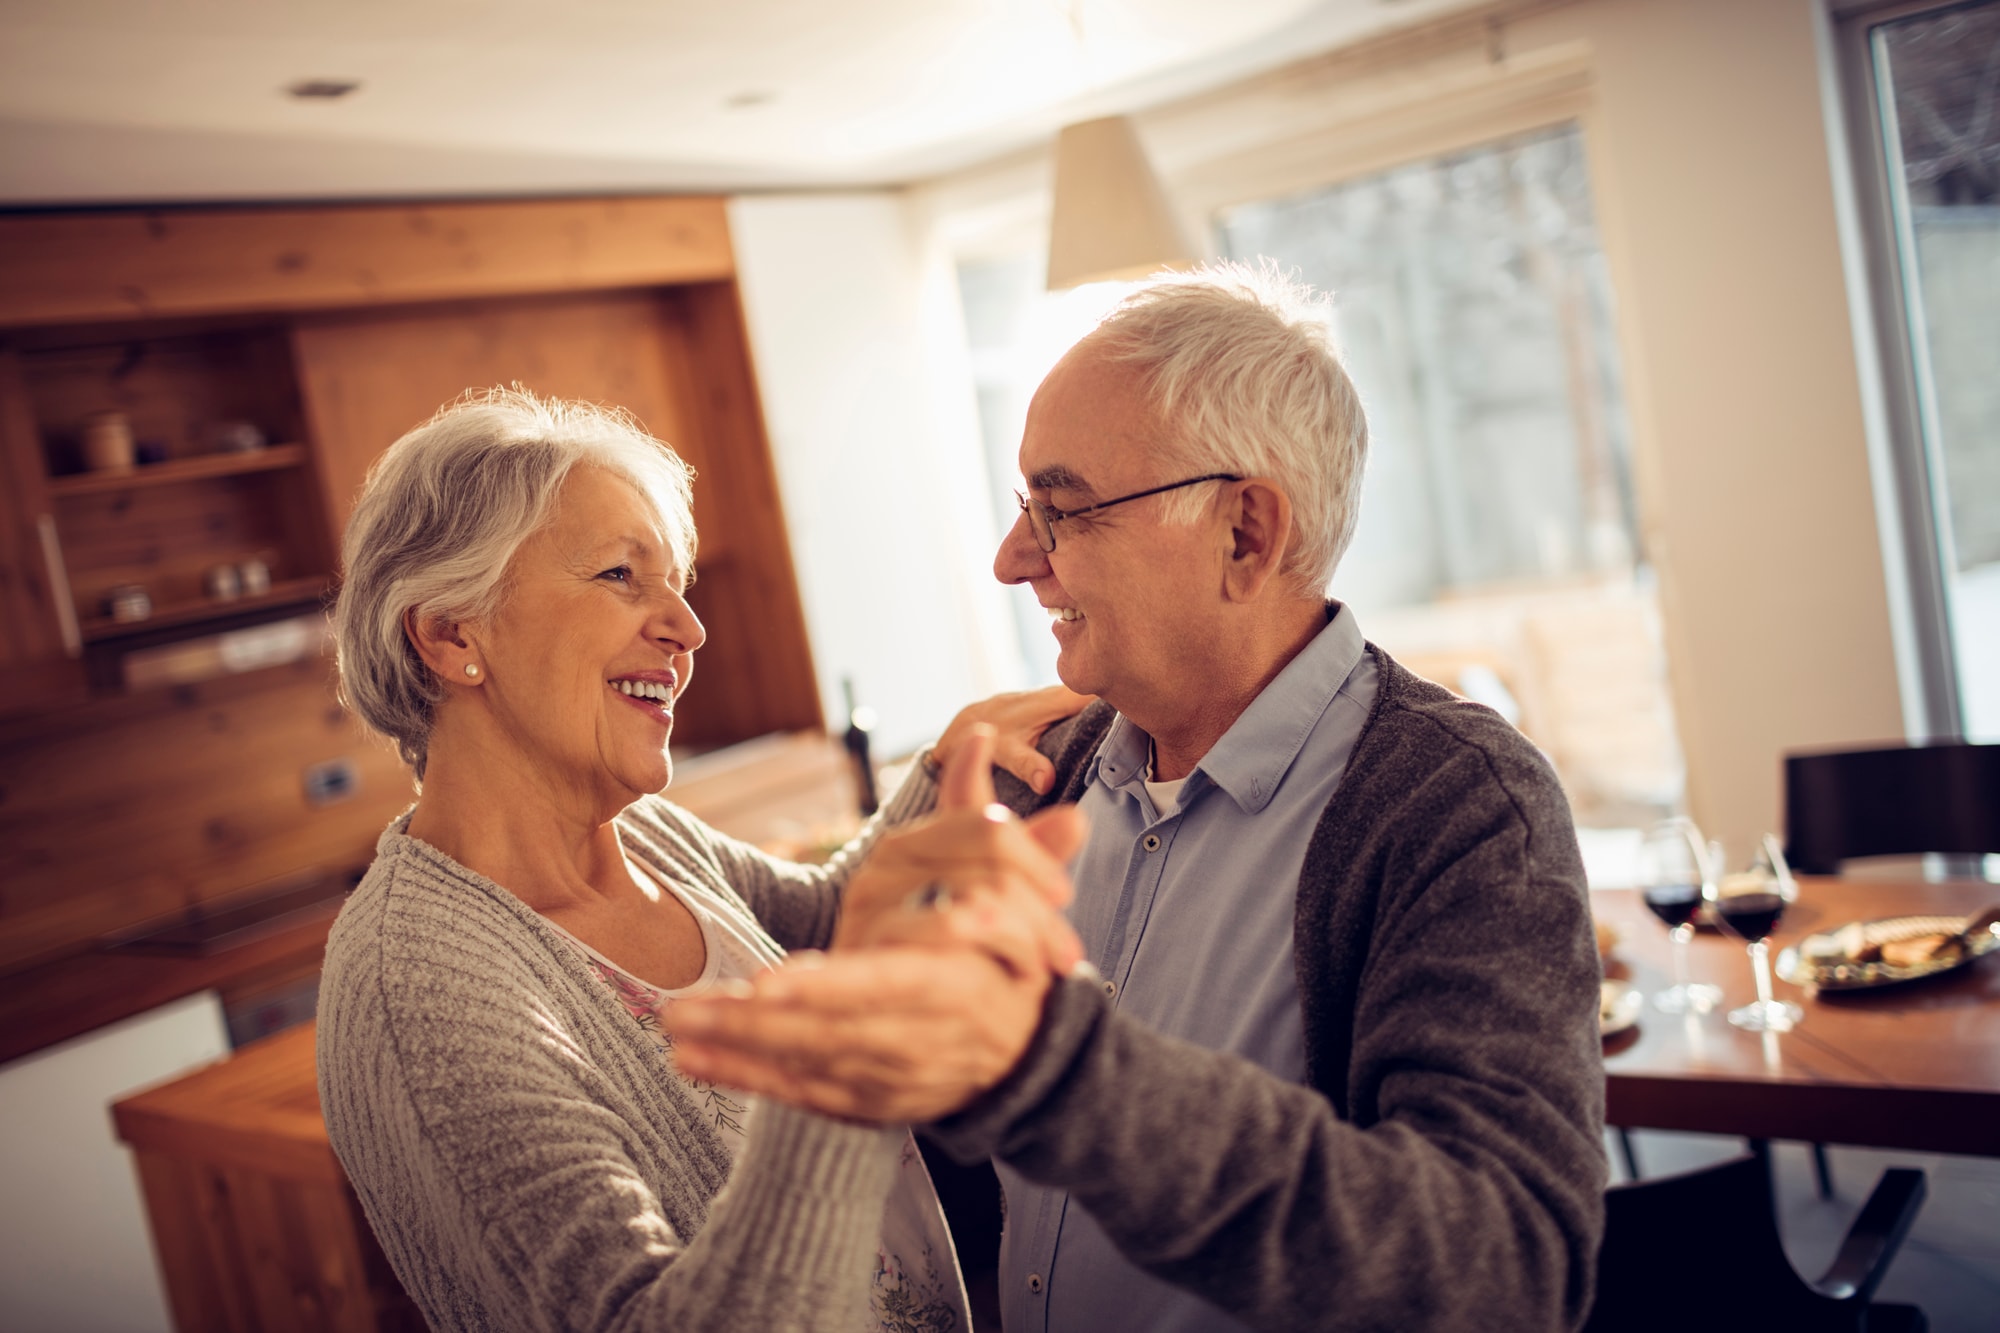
x,y
1111,218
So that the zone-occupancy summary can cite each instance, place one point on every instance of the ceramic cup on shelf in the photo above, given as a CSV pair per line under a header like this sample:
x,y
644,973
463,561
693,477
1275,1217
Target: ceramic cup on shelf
x,y
223,583
107,442
255,577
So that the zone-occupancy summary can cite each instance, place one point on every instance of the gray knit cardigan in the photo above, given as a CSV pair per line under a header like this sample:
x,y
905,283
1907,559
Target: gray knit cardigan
x,y
522,1152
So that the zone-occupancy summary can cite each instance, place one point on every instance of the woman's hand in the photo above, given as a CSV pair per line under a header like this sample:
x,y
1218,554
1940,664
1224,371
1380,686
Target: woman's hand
x,y
881,1035
1019,721
970,876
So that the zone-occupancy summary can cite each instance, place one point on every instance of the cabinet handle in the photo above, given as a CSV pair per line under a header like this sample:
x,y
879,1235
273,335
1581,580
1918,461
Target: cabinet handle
x,y
72,635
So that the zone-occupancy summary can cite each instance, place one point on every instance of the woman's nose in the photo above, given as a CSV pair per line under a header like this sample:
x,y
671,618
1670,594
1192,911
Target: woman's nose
x,y
675,622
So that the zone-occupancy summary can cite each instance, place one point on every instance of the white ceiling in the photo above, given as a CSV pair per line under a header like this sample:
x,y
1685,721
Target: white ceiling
x,y
185,99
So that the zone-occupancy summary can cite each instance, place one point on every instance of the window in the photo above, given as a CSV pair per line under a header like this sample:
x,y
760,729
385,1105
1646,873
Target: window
x,y
1927,79
1498,550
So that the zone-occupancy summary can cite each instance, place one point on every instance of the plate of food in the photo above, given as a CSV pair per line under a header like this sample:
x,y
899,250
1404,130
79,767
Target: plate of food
x,y
1863,955
1618,1006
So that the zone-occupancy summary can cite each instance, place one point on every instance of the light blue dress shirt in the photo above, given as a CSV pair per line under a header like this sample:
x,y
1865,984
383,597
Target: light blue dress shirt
x,y
1189,918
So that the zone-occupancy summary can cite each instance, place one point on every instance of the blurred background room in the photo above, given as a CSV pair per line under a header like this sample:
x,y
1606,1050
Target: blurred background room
x,y
1675,322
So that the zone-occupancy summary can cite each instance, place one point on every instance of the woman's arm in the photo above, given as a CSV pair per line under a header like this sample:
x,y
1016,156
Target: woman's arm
x,y
526,1164
800,903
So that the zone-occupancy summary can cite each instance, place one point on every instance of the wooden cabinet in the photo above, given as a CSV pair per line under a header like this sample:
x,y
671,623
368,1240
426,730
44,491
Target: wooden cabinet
x,y
330,331
187,528
254,1223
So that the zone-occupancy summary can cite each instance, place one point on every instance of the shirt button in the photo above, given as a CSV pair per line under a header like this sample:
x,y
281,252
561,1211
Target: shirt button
x,y
1152,843
1035,1283
1111,989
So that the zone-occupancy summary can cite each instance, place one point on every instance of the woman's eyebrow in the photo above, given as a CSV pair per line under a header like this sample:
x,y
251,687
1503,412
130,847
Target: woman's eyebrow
x,y
627,545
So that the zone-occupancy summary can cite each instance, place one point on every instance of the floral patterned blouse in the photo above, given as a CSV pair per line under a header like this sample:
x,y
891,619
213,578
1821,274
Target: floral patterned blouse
x,y
917,1287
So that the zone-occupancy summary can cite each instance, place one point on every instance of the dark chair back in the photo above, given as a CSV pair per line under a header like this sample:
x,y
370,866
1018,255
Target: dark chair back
x,y
1898,801
1700,1253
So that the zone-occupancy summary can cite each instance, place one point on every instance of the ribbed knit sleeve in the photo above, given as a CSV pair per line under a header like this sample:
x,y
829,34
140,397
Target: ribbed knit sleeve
x,y
795,902
528,1161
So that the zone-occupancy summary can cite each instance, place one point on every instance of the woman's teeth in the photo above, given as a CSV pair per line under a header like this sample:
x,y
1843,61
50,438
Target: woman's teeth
x,y
644,689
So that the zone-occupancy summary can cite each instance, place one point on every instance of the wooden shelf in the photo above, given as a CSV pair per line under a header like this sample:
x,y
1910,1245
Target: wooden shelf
x,y
98,628
180,469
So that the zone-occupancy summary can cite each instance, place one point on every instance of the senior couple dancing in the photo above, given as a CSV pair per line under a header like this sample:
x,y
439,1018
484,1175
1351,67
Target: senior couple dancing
x,y
1310,1043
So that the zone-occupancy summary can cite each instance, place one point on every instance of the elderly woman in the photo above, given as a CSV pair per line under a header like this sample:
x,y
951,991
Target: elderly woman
x,y
492,1063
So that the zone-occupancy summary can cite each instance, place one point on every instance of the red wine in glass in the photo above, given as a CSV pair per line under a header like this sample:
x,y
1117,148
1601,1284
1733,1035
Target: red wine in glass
x,y
1674,904
1752,917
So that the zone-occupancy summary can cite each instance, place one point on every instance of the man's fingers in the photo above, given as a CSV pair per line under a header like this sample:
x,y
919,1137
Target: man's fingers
x,y
967,782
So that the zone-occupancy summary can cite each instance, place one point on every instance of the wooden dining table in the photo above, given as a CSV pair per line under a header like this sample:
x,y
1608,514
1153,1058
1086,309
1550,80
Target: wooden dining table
x,y
1914,1066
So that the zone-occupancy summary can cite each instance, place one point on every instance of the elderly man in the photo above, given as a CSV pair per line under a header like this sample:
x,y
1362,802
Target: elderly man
x,y
1341,1068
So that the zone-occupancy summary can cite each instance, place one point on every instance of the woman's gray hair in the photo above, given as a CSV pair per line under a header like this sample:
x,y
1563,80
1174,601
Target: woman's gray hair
x,y
439,519
1238,363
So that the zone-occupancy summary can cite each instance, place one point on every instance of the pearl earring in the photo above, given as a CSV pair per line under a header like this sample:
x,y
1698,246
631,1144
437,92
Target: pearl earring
x,y
472,670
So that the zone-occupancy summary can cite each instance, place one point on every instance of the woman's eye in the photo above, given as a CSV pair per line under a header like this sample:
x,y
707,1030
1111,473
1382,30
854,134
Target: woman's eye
x,y
620,574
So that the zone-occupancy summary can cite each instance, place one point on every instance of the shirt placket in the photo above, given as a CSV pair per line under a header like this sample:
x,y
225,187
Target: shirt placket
x,y
1145,867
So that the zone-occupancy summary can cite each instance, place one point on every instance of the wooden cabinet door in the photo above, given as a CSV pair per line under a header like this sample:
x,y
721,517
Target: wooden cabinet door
x,y
369,378
40,645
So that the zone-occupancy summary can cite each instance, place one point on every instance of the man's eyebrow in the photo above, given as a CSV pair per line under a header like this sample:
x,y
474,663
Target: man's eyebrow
x,y
1056,478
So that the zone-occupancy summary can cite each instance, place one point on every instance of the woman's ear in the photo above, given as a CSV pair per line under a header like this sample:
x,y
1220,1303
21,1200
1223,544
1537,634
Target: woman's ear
x,y
1260,529
445,648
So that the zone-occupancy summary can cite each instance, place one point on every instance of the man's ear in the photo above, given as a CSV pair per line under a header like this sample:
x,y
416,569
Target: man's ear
x,y
443,644
1260,530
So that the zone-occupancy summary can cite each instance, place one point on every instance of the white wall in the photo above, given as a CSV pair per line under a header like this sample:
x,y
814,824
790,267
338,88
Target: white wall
x,y
860,356
74,1250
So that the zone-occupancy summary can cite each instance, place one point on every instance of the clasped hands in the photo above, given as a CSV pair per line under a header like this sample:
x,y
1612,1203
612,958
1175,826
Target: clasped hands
x,y
926,999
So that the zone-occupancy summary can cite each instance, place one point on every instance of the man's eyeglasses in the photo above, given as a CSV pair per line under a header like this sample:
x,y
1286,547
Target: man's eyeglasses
x,y
1042,519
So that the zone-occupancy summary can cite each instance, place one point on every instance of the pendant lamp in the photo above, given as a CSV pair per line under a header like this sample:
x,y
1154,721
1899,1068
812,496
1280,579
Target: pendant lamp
x,y
1111,217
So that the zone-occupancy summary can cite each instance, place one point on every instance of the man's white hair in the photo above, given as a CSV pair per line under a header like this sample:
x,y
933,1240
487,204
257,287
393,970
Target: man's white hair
x,y
1238,363
439,519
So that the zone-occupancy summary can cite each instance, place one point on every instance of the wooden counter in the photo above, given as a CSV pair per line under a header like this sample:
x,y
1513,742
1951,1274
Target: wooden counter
x,y
56,1001
255,1224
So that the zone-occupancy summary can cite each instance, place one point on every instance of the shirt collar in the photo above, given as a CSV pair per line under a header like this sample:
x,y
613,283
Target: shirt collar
x,y
1259,748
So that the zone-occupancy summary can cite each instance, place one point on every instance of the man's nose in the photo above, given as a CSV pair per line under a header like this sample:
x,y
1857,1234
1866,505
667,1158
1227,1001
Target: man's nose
x,y
1020,556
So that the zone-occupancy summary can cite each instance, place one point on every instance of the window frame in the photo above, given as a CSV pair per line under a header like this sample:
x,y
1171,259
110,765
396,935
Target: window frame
x,y
1916,531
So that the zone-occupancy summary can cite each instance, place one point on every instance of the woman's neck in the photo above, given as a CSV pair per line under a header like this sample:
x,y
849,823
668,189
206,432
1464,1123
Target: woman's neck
x,y
493,819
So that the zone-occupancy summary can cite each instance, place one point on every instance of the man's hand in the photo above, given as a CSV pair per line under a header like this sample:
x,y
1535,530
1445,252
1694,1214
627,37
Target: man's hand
x,y
1019,721
970,875
880,1035
949,938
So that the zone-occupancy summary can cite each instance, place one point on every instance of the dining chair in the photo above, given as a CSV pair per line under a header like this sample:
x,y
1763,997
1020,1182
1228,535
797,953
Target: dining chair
x,y
1900,800
1701,1251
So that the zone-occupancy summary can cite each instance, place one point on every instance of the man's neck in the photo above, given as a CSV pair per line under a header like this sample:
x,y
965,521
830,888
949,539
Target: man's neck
x,y
1184,729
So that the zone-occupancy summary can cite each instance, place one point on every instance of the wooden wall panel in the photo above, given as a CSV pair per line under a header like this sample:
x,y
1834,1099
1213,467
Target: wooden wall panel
x,y
58,268
748,594
367,379
131,818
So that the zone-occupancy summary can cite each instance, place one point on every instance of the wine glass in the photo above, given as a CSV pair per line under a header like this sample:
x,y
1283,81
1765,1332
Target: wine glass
x,y
1672,874
1749,907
